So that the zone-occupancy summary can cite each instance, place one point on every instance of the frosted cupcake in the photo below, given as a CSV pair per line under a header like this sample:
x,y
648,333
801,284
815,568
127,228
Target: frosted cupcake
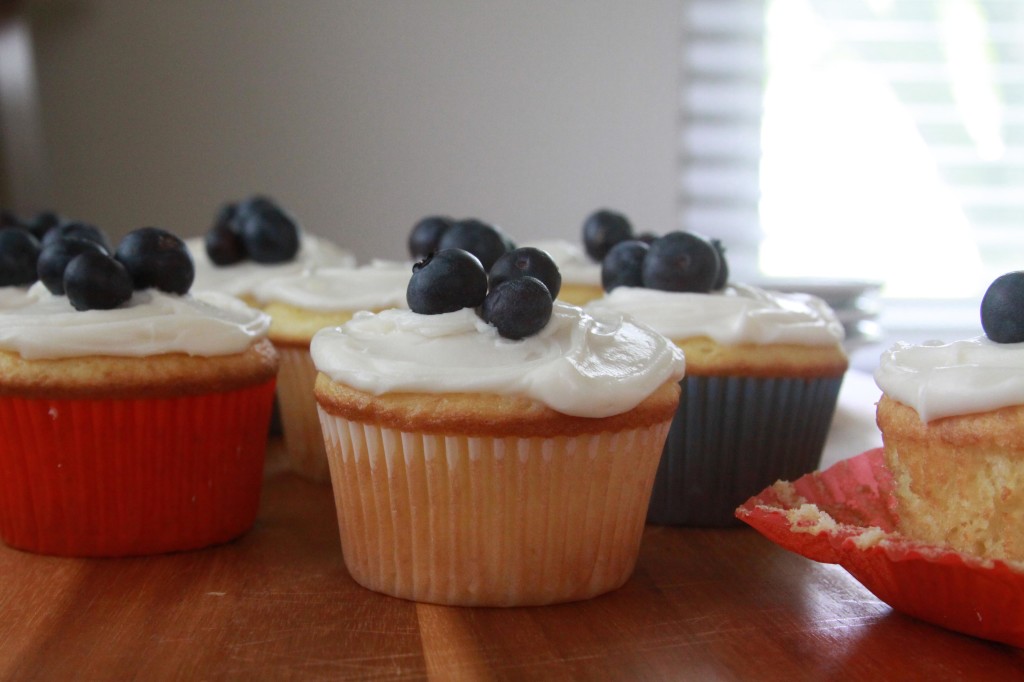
x,y
300,305
253,241
952,423
473,469
131,428
763,376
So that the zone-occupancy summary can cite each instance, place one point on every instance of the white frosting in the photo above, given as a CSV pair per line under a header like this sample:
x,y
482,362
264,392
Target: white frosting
x,y
574,265
14,297
241,278
739,314
578,364
946,379
150,323
376,286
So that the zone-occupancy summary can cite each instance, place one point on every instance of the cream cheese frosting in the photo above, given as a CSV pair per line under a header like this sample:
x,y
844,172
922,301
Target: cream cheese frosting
x,y
150,323
948,379
14,297
240,279
740,314
579,364
379,285
573,263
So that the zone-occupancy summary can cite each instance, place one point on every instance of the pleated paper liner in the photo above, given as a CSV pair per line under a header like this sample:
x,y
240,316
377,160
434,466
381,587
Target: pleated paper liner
x,y
472,521
845,515
120,477
731,437
300,425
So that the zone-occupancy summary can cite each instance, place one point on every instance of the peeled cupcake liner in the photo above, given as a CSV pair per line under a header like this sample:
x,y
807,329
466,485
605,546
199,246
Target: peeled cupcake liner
x,y
300,425
847,515
734,435
121,477
483,521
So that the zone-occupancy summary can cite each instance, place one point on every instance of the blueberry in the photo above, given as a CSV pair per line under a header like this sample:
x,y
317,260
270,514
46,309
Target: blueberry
x,y
426,235
723,266
95,281
604,229
156,258
526,262
223,244
449,280
623,265
54,259
78,230
270,235
19,251
1002,309
43,222
483,240
681,261
518,307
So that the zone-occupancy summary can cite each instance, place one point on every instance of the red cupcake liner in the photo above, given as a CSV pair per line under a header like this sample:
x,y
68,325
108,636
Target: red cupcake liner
x,y
118,477
959,592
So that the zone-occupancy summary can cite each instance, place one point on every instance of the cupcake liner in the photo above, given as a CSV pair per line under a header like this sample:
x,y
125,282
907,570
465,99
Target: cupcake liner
x,y
117,477
846,515
731,437
300,426
479,521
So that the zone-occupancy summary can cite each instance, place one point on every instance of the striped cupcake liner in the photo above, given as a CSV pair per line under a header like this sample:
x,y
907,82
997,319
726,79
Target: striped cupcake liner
x,y
119,477
476,521
734,436
300,425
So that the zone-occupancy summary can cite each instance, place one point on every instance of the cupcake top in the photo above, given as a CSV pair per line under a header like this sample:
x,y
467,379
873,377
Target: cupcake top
x,y
738,314
150,323
948,379
376,286
240,279
578,364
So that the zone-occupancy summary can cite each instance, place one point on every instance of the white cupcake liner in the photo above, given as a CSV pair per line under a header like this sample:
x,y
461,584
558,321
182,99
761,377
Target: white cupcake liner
x,y
479,521
300,425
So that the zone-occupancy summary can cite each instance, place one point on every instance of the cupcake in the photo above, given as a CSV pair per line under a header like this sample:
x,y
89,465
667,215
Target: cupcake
x,y
300,305
253,241
134,416
581,276
762,379
499,458
952,422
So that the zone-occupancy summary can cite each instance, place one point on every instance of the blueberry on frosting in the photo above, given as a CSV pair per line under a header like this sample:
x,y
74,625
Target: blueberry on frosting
x,y
1002,309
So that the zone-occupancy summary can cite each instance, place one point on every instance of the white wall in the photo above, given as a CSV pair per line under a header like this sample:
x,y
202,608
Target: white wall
x,y
361,116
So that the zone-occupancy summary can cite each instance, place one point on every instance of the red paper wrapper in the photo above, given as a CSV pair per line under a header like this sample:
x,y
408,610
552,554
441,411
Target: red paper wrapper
x,y
118,477
975,596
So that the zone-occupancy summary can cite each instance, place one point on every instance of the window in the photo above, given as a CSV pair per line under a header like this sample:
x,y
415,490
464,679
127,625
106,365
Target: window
x,y
864,139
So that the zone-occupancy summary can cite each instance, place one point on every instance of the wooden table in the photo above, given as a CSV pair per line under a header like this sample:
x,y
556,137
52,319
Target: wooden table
x,y
279,604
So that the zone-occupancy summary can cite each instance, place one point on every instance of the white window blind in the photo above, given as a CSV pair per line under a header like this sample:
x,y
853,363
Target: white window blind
x,y
866,139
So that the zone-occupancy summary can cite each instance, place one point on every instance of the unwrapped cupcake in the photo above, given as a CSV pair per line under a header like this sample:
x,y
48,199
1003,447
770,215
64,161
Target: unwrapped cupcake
x,y
490,446
952,423
763,375
134,414
256,240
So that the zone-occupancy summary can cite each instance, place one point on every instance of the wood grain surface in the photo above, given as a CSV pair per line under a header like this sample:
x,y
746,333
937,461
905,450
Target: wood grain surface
x,y
279,604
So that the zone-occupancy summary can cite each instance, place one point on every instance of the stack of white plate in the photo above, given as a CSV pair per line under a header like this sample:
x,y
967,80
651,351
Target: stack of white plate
x,y
856,303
